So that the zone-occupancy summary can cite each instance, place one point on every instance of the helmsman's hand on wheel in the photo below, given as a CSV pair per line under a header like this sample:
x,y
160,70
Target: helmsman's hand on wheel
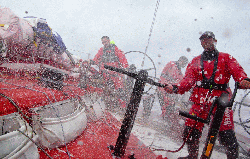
x,y
169,88
245,84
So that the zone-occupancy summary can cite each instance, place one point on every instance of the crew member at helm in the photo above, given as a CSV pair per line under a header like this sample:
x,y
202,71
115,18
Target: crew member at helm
x,y
210,72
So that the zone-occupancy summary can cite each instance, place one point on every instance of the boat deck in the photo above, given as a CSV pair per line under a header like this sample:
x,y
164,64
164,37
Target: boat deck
x,y
96,139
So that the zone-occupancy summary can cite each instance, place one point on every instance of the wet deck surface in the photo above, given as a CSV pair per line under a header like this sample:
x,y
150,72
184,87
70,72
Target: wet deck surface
x,y
172,136
146,135
157,133
94,142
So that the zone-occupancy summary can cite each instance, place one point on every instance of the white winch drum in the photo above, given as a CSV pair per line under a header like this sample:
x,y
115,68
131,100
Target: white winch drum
x,y
11,140
59,123
27,149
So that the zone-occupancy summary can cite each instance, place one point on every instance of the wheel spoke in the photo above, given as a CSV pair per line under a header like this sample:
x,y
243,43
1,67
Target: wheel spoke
x,y
147,88
243,107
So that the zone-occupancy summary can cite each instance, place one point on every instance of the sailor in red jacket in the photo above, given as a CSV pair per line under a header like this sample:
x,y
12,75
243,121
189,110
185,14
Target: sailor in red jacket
x,y
110,55
171,73
210,72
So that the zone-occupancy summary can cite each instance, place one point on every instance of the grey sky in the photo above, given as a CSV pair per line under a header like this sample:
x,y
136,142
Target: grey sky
x,y
81,24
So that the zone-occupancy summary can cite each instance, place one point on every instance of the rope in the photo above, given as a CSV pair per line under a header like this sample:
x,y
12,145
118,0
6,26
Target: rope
x,y
183,144
35,143
151,29
57,115
19,110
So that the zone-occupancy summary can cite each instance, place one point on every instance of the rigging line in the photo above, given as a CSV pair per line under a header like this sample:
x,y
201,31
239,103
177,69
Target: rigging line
x,y
17,107
25,124
57,115
35,143
151,30
26,87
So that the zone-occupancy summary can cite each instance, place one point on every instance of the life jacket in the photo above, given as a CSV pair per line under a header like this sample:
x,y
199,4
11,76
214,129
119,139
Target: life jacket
x,y
109,55
209,83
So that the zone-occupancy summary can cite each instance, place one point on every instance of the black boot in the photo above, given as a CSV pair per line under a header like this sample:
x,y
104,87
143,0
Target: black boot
x,y
192,143
193,150
228,139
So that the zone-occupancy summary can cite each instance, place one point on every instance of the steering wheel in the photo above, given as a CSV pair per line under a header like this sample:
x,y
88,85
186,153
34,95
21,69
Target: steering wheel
x,y
244,107
130,55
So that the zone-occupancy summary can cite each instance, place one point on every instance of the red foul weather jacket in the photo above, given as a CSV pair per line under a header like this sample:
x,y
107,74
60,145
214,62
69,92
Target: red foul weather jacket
x,y
111,56
202,99
170,74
